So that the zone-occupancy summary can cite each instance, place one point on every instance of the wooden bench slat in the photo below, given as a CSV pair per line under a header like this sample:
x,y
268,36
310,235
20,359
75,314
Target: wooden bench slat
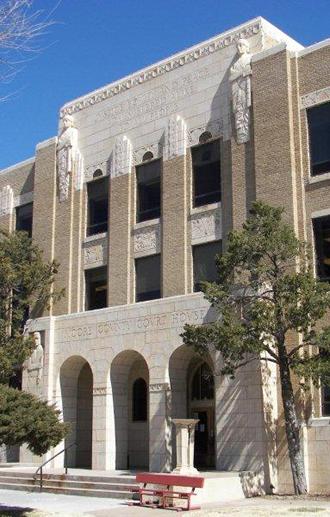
x,y
170,479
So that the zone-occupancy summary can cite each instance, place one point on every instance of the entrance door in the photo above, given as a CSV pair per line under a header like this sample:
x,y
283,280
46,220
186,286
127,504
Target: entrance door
x,y
204,438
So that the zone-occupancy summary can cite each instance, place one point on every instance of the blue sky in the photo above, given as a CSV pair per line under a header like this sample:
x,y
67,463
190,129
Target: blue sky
x,y
95,42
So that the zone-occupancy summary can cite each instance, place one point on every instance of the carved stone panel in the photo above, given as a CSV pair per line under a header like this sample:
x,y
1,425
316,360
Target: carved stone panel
x,y
206,226
175,137
122,157
316,97
95,253
147,240
6,201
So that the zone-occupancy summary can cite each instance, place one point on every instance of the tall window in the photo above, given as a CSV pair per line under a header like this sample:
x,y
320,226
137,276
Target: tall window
x,y
319,138
322,246
96,288
204,263
148,191
206,173
326,401
202,386
140,400
97,218
24,218
147,273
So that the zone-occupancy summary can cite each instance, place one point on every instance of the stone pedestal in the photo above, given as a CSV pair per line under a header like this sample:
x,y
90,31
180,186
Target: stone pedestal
x,y
185,441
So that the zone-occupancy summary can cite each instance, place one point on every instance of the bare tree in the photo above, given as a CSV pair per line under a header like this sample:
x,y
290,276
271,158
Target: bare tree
x,y
21,28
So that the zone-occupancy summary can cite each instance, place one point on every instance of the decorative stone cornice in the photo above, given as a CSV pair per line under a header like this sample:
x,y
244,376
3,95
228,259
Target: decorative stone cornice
x,y
193,54
159,387
314,98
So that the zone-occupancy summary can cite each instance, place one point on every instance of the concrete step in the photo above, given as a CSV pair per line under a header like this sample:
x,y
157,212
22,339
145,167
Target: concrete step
x,y
89,492
127,480
68,483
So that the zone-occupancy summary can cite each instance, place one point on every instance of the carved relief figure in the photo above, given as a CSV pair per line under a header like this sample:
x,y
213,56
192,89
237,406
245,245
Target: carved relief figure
x,y
69,160
37,358
240,78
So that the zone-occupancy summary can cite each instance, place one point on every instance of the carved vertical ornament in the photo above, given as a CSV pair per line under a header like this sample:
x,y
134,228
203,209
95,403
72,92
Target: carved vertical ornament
x,y
69,159
6,200
175,137
240,78
122,157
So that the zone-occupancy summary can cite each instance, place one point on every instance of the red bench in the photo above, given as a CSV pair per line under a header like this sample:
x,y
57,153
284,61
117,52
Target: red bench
x,y
164,490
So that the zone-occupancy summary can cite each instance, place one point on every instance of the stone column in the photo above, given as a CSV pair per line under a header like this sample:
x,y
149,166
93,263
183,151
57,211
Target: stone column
x,y
103,441
160,449
185,445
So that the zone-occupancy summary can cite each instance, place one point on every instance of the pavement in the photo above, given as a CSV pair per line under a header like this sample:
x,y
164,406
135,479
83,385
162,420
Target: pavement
x,y
33,504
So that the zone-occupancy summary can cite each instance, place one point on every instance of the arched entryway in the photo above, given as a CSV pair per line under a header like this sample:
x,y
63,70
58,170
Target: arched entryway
x,y
192,385
129,376
76,384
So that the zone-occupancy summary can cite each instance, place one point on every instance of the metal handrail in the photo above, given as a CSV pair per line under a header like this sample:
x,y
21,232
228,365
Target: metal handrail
x,y
50,459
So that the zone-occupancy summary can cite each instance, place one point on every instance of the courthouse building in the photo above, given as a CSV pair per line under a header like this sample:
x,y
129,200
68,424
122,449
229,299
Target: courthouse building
x,y
134,197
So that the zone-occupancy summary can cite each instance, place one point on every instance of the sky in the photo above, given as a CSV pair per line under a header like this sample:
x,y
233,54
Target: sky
x,y
95,42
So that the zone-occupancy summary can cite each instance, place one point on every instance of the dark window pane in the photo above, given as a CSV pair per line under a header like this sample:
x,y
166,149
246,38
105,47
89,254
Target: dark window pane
x,y
206,173
322,247
140,400
326,401
203,383
148,191
24,218
319,137
96,288
204,263
97,206
147,270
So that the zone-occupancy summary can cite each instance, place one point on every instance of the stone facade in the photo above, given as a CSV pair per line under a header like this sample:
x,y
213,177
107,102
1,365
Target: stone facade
x,y
255,102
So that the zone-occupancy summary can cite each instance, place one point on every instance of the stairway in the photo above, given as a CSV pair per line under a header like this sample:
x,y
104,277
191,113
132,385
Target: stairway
x,y
113,486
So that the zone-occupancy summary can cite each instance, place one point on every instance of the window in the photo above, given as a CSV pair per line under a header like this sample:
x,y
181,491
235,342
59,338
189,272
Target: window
x,y
24,218
148,191
96,288
202,386
140,400
204,263
326,401
206,173
147,273
319,138
322,246
97,192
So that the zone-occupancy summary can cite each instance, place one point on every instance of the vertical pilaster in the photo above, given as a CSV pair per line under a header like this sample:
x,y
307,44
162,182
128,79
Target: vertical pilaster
x,y
160,449
103,441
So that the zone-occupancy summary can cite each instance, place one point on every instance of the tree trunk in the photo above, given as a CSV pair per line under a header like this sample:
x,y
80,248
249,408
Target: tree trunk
x,y
292,426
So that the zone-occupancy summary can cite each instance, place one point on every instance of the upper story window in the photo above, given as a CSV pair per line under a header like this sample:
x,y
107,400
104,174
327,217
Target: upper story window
x,y
206,173
148,191
98,195
204,265
147,274
319,138
321,227
326,401
24,218
140,400
96,288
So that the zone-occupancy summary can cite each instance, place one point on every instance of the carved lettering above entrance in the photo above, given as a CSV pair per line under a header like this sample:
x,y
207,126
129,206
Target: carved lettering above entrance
x,y
113,327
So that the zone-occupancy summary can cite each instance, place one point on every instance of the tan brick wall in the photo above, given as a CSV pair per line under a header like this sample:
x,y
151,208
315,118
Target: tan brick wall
x,y
43,229
174,227
119,266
